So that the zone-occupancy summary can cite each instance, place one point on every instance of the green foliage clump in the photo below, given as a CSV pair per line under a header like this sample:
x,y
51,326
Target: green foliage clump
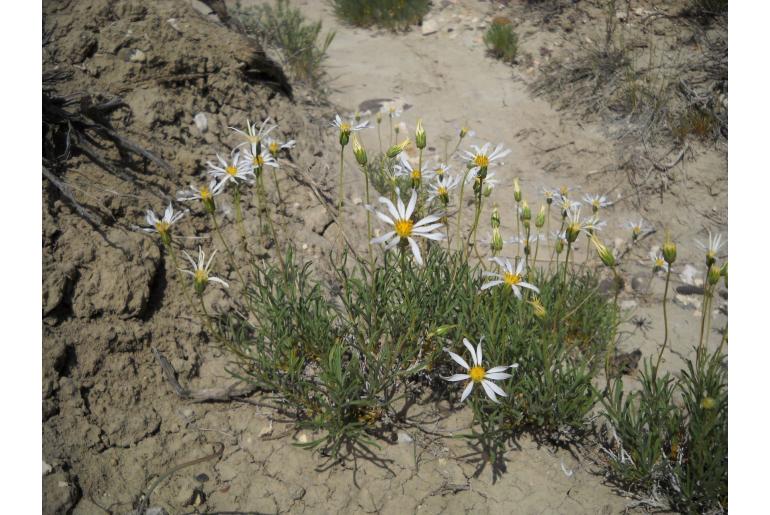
x,y
347,369
679,452
390,14
502,42
300,43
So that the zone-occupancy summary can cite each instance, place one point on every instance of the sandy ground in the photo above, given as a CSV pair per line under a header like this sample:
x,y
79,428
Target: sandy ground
x,y
110,420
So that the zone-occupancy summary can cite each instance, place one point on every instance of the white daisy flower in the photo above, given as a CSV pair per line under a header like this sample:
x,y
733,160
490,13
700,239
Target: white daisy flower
x,y
509,277
236,170
638,227
274,146
357,115
658,261
205,194
200,271
567,205
441,187
254,136
711,249
251,162
404,228
481,157
406,169
162,225
349,126
441,168
478,374
596,201
575,225
550,194
391,110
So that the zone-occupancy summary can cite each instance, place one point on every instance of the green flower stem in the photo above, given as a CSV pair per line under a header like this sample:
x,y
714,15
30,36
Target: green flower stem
x,y
239,214
342,193
566,262
272,229
185,284
665,324
227,249
379,136
460,206
206,316
472,235
518,232
277,187
258,197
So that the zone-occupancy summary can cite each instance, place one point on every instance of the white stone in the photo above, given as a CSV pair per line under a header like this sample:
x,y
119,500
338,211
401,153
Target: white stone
x,y
46,468
429,27
201,122
137,56
628,304
403,437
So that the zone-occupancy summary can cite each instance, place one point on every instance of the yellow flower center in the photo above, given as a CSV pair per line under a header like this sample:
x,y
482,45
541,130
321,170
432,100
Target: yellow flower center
x,y
345,128
481,160
201,277
416,174
273,148
595,203
404,228
258,160
440,171
162,227
511,279
564,191
659,262
231,170
477,374
442,190
637,231
205,193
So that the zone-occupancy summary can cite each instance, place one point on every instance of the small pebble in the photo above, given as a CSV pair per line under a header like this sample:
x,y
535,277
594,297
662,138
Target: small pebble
x,y
202,477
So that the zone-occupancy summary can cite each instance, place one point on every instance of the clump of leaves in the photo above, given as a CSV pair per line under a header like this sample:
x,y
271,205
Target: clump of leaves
x,y
390,14
501,41
299,42
659,447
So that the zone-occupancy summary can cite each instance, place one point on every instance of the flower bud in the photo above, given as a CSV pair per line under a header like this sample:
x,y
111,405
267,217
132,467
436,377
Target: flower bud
x,y
537,307
559,245
495,221
200,280
463,131
540,218
605,254
516,190
669,250
497,241
487,189
715,272
572,232
359,151
420,138
378,117
526,213
395,150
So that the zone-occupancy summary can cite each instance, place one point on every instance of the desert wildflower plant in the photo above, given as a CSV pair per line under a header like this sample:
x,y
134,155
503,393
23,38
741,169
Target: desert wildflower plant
x,y
347,363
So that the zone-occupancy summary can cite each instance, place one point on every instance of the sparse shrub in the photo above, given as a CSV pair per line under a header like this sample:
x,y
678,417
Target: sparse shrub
x,y
695,121
284,27
391,14
501,40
